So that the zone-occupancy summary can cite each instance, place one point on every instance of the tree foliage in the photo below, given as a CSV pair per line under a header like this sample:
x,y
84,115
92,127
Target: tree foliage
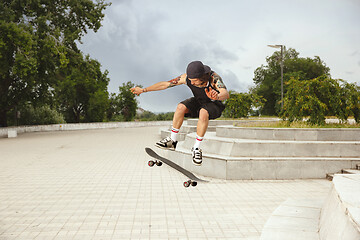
x,y
40,115
81,92
267,78
317,98
124,105
36,38
241,104
150,116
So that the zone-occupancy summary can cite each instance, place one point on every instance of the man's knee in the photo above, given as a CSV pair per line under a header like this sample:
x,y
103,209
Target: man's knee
x,y
203,115
181,108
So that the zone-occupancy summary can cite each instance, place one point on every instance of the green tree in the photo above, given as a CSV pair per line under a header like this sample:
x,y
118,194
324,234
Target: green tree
x,y
127,101
317,98
39,116
35,38
267,78
240,104
17,66
81,92
124,105
349,101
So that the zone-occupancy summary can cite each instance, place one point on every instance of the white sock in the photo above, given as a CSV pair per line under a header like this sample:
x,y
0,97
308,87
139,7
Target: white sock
x,y
198,141
174,133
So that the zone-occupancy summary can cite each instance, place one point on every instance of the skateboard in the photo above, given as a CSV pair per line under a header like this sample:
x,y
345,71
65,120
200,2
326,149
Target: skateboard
x,y
158,160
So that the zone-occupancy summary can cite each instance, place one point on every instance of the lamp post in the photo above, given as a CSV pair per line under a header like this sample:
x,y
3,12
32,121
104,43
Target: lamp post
x,y
282,71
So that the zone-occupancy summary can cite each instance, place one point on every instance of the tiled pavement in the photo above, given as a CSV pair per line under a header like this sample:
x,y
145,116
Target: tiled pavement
x,y
96,184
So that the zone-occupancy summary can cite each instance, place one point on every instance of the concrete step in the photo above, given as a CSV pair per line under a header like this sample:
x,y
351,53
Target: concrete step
x,y
293,134
294,219
193,122
166,133
185,129
350,171
340,214
233,147
338,217
259,168
330,176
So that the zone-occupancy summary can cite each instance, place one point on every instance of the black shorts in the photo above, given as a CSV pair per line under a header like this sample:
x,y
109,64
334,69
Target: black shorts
x,y
213,108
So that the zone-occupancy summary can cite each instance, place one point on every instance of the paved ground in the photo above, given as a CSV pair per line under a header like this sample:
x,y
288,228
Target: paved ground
x,y
96,184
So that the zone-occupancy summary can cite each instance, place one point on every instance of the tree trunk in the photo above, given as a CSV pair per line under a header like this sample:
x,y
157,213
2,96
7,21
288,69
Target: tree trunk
x,y
3,118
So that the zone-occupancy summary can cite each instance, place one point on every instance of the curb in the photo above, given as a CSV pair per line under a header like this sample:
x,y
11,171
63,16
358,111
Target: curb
x,y
14,131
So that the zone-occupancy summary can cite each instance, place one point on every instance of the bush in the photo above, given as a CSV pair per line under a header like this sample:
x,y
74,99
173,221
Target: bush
x,y
319,97
39,116
149,116
241,104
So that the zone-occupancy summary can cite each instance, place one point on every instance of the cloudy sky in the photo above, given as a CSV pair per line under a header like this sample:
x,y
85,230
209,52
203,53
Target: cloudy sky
x,y
146,41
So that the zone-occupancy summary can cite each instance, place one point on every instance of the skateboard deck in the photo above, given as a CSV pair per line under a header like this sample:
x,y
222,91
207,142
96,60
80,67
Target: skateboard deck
x,y
159,160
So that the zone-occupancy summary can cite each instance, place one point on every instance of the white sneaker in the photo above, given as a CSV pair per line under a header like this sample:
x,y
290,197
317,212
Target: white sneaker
x,y
167,143
197,156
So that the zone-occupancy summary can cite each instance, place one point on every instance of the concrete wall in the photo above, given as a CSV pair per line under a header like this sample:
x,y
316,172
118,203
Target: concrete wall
x,y
292,134
78,126
340,215
259,168
233,147
258,153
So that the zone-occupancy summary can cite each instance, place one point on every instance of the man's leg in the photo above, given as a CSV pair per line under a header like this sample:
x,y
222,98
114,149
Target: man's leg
x,y
178,120
202,126
203,122
179,115
171,142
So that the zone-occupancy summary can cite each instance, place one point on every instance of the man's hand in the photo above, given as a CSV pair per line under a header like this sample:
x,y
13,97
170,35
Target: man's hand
x,y
212,94
137,90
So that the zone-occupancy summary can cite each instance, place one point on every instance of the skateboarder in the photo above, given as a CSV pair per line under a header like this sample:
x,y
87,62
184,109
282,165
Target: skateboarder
x,y
208,89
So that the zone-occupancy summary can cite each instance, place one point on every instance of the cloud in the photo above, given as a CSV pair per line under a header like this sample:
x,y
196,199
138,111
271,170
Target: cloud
x,y
147,42
208,51
355,53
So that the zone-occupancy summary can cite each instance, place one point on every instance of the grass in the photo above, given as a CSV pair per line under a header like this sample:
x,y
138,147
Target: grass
x,y
286,124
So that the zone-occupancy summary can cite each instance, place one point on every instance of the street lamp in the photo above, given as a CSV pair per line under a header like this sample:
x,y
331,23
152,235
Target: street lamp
x,y
282,72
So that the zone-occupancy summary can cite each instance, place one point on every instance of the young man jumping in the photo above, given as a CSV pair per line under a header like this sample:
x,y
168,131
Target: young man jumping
x,y
208,89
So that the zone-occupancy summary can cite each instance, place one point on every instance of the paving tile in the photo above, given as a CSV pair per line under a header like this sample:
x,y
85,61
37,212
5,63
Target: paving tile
x,y
96,184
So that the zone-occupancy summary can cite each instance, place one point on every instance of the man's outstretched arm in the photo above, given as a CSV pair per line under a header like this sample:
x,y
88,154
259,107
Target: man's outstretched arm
x,y
160,85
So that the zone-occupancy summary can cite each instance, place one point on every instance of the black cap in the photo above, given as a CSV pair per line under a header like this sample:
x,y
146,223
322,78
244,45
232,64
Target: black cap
x,y
197,69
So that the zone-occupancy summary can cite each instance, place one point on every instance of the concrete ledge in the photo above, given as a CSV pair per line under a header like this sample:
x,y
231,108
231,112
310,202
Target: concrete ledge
x,y
340,216
233,147
258,168
185,129
293,134
193,122
337,218
167,133
12,133
79,126
296,219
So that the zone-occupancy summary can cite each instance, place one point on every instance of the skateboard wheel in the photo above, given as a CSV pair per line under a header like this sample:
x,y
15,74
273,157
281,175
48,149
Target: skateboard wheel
x,y
158,163
193,184
187,183
151,163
